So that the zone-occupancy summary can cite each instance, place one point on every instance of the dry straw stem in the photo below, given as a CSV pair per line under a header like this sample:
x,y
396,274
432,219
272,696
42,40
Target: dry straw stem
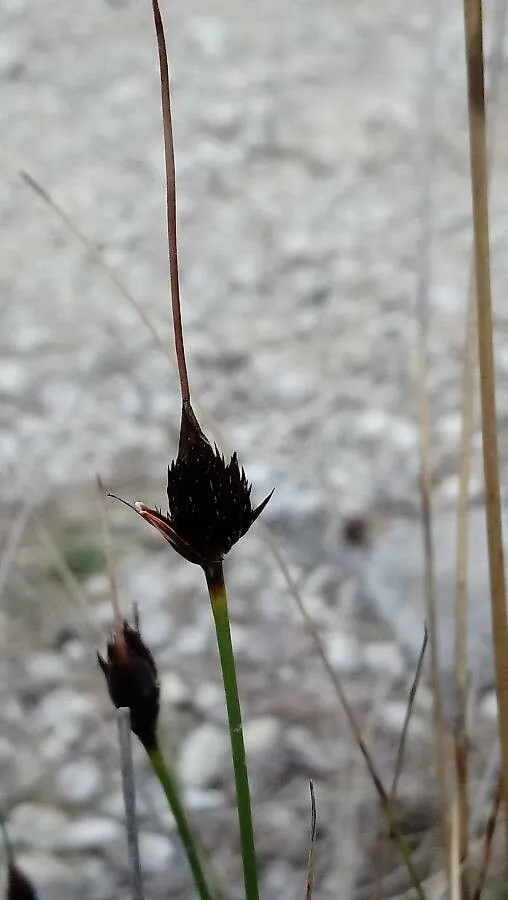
x,y
422,312
129,798
478,161
468,416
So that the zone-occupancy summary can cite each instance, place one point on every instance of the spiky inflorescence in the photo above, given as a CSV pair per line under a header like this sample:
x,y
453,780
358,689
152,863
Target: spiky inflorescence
x,y
209,500
131,677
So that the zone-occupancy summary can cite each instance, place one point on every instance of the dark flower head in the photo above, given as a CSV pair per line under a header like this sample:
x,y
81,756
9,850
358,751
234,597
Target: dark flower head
x,y
131,677
209,500
19,887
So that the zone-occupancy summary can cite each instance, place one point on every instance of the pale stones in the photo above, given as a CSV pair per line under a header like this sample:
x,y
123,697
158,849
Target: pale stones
x,y
262,736
79,780
343,651
46,669
174,691
52,878
392,579
64,706
384,657
93,833
37,825
156,853
203,756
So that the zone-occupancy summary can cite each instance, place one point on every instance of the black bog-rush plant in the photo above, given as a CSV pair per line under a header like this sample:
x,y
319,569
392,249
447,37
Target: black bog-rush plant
x,y
209,507
131,677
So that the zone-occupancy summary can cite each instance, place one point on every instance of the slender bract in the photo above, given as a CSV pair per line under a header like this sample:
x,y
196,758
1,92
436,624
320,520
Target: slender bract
x,y
218,598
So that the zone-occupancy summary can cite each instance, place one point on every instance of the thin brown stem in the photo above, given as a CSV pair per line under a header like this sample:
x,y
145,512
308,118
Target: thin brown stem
x,y
169,156
479,189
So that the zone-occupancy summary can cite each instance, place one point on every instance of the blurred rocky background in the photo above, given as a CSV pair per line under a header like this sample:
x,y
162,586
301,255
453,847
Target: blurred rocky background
x,y
298,145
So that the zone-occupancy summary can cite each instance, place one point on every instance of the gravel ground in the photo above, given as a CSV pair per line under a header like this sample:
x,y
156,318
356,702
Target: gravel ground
x,y
298,141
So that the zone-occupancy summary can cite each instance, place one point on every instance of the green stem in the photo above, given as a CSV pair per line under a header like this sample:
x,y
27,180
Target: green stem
x,y
218,597
172,793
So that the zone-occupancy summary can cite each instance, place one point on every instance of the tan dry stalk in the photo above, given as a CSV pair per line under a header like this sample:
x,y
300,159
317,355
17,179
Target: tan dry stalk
x,y
478,162
468,418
